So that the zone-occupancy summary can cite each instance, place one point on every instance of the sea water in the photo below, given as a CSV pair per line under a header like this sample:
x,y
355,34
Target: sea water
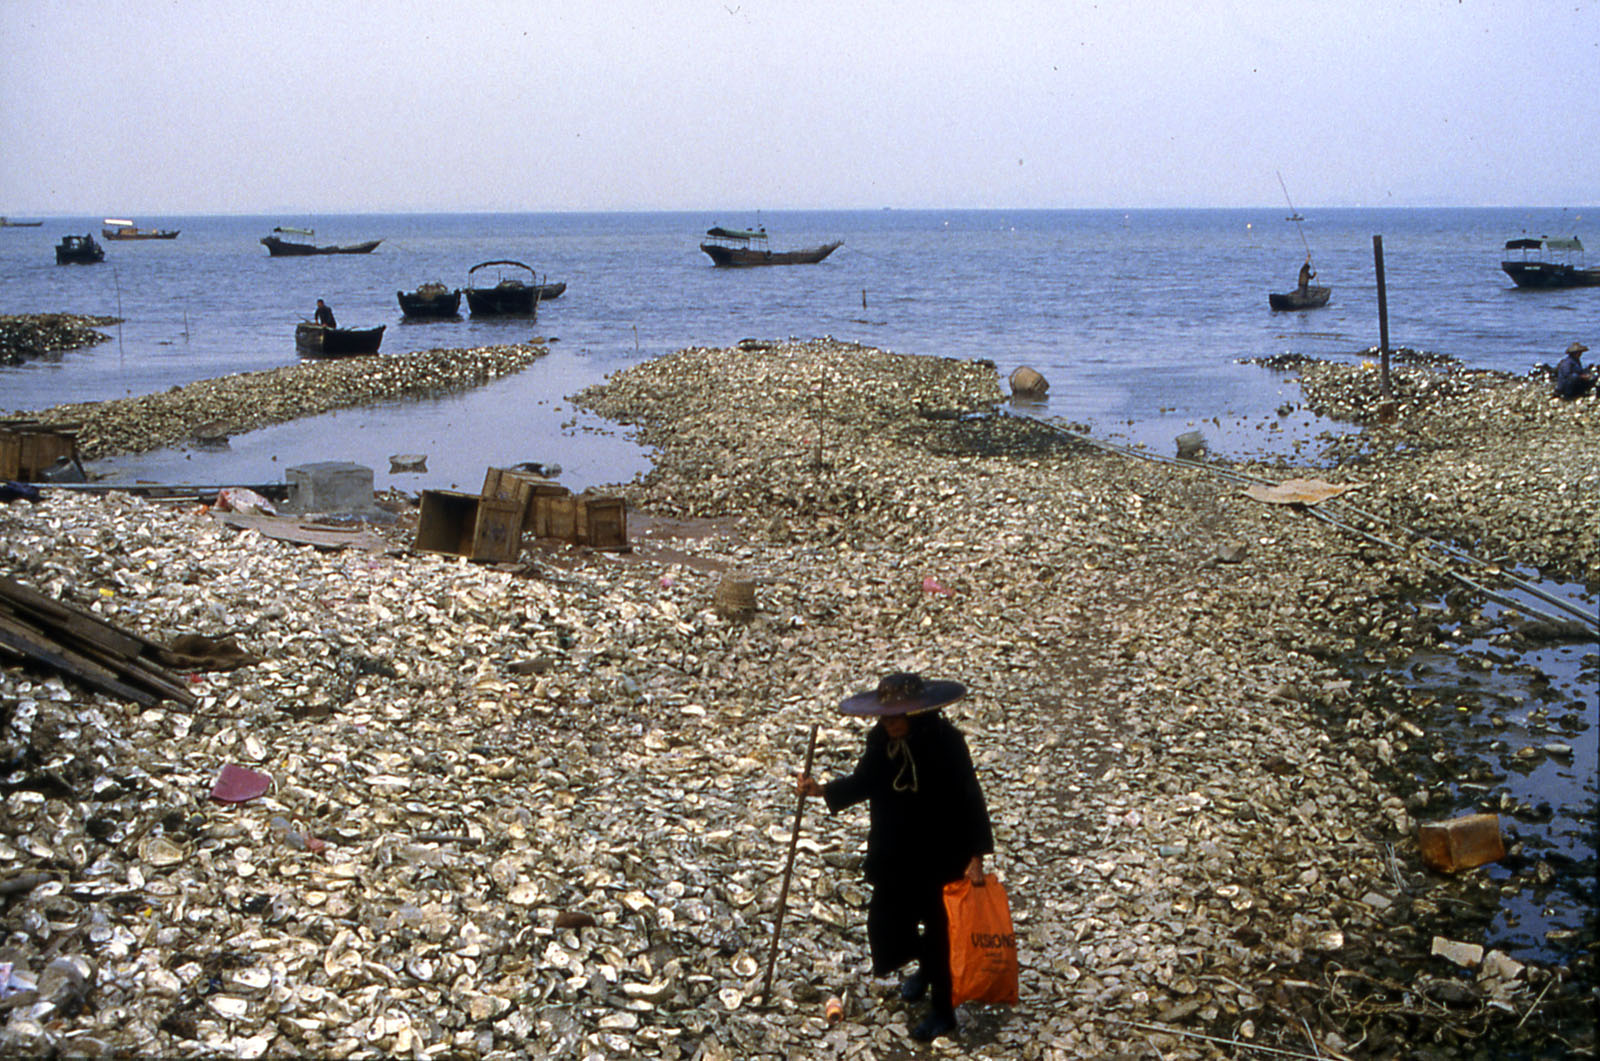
x,y
1141,321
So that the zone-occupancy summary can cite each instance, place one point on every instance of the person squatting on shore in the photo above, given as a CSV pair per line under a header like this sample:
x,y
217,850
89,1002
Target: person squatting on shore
x,y
1572,379
927,826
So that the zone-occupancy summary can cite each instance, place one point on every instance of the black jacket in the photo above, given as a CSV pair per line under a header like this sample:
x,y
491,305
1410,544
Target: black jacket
x,y
928,817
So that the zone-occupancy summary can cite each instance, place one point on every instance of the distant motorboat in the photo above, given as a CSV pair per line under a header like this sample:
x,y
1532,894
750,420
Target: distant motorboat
x,y
79,250
739,248
128,230
1552,263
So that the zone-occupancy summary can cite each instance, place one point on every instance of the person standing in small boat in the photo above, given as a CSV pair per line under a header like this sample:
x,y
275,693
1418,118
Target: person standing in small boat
x,y
325,315
1306,275
1572,379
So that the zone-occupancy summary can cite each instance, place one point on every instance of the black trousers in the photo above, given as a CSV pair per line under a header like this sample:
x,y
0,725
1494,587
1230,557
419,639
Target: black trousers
x,y
905,922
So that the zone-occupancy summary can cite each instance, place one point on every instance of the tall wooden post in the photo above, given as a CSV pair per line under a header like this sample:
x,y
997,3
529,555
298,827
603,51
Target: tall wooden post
x,y
1383,317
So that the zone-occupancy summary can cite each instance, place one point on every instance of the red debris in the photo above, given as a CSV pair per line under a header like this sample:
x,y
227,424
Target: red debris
x,y
237,784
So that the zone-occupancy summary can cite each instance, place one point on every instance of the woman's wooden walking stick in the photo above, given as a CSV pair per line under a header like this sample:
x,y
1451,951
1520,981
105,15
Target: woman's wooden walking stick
x,y
788,870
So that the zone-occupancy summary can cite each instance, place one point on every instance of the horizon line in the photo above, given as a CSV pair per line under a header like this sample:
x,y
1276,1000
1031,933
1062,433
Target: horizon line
x,y
304,212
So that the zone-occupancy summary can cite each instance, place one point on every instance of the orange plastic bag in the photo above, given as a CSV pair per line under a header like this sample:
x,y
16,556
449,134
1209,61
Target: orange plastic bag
x,y
983,946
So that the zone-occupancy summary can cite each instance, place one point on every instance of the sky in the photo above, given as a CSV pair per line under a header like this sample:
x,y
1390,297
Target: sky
x,y
157,107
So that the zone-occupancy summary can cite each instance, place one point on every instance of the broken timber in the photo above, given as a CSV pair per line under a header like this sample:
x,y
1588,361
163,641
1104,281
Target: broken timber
x,y
83,646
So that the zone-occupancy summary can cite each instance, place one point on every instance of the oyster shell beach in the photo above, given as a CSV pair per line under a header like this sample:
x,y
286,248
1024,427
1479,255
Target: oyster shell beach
x,y
542,809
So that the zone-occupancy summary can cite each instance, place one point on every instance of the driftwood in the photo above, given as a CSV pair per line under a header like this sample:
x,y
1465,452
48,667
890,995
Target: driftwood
x,y
77,643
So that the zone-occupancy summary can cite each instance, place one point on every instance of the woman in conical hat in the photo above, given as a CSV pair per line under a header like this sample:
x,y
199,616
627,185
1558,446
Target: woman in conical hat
x,y
927,826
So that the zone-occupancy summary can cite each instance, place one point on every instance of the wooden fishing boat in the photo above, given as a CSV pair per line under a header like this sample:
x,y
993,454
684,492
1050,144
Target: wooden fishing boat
x,y
1305,295
128,230
509,297
79,250
739,248
430,300
1310,298
1549,262
282,248
319,340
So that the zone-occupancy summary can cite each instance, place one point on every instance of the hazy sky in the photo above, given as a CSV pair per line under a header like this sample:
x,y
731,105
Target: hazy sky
x,y
157,107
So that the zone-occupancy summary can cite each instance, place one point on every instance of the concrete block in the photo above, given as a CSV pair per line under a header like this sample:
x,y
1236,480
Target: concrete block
x,y
330,486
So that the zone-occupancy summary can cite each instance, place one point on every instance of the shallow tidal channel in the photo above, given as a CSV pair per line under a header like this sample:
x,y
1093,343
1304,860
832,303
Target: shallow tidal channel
x,y
1512,723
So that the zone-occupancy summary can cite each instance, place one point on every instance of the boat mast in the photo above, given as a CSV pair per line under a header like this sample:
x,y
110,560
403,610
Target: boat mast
x,y
1294,215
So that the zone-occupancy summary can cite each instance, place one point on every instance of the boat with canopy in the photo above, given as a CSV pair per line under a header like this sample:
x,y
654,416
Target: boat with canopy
x,y
1548,262
739,247
120,228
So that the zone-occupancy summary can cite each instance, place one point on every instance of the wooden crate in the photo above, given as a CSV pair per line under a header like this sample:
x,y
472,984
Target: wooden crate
x,y
28,449
497,534
541,489
602,522
521,486
482,528
510,483
556,516
10,455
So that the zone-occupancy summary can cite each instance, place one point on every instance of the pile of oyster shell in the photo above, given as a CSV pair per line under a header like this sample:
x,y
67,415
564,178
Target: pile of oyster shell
x,y
248,400
544,811
24,337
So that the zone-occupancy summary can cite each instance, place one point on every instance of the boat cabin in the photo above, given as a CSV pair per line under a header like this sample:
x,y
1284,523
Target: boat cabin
x,y
737,237
1555,245
79,250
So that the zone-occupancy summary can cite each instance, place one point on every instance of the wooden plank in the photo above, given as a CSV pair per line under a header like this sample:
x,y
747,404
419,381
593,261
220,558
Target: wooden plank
x,y
82,625
172,491
87,641
31,644
162,681
301,533
135,671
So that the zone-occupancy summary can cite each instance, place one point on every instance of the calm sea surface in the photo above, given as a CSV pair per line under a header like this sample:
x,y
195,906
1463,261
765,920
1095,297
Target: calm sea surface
x,y
1137,319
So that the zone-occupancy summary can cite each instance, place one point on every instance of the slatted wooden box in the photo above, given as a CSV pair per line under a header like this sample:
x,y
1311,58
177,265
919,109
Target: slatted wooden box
x,y
482,528
524,487
556,516
602,522
28,448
